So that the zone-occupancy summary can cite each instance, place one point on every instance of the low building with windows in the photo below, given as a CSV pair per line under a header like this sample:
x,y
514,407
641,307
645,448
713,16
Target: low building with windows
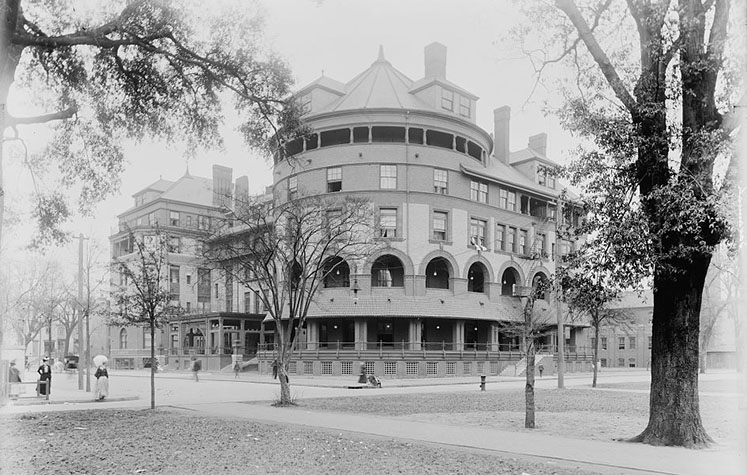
x,y
466,226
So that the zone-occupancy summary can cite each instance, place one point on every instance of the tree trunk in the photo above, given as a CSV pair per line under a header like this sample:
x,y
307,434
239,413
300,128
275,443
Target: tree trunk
x,y
674,413
152,365
529,388
595,352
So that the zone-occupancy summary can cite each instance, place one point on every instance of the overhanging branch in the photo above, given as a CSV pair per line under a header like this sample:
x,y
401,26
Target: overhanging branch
x,y
12,121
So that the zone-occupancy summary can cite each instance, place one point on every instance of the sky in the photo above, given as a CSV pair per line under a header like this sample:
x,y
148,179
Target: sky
x,y
340,39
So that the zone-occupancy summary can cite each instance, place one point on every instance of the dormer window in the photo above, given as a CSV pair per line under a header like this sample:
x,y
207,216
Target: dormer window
x,y
545,176
464,107
447,99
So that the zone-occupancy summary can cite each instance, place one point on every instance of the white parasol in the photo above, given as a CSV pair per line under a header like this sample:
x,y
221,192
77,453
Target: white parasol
x,y
98,360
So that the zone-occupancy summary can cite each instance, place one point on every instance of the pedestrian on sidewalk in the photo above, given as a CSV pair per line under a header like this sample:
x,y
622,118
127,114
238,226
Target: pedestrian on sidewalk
x,y
236,370
196,367
541,369
275,369
44,386
14,377
102,382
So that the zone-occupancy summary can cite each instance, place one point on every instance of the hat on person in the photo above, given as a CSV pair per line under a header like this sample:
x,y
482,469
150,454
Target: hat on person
x,y
45,359
12,363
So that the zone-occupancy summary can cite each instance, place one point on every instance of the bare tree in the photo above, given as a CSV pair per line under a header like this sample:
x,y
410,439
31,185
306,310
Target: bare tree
x,y
284,251
720,300
142,298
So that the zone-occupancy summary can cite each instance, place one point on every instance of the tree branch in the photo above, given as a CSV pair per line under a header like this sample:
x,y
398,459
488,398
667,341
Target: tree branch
x,y
12,121
613,78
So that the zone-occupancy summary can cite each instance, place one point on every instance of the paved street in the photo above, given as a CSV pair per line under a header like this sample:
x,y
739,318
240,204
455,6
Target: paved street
x,y
220,395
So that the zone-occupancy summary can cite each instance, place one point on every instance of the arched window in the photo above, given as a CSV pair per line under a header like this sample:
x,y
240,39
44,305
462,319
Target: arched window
x,y
123,339
437,274
336,273
476,278
387,271
541,283
508,280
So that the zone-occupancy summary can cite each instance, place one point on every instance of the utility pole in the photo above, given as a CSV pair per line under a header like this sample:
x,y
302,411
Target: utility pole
x,y
82,356
558,310
80,311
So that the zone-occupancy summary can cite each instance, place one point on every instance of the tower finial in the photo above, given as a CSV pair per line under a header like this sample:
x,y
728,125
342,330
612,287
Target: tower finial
x,y
381,53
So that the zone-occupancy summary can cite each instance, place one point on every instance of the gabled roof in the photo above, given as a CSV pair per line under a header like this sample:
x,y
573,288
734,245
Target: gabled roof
x,y
327,83
425,82
527,154
191,189
160,186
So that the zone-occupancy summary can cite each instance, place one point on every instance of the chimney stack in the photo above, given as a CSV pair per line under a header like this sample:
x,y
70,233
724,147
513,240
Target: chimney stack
x,y
222,184
501,128
435,61
538,143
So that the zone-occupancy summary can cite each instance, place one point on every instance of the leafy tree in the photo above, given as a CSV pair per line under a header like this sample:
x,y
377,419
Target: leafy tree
x,y
102,74
660,127
112,71
284,251
142,298
68,316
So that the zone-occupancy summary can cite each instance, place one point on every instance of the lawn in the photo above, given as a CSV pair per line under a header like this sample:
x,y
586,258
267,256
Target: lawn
x,y
585,413
108,441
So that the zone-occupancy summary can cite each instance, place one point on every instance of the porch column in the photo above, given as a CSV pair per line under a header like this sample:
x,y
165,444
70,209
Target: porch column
x,y
493,338
312,334
361,334
220,336
458,336
415,334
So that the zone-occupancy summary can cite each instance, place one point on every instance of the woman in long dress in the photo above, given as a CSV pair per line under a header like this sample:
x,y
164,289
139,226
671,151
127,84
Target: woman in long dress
x,y
102,382
45,377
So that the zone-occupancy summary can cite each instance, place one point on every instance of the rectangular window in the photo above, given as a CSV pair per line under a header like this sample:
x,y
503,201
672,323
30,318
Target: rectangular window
x,y
464,106
631,342
390,368
550,180
139,221
174,218
203,222
604,342
431,368
189,221
511,201
503,198
500,237
388,177
388,222
360,135
152,219
334,179
447,99
175,244
541,175
440,220
511,247
621,343
189,279
477,231
440,181
523,242
411,368
292,187
478,191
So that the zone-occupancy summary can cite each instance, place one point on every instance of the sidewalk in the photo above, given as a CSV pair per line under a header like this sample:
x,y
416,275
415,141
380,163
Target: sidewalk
x,y
614,457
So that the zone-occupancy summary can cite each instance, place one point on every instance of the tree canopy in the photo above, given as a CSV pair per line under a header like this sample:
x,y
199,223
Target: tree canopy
x,y
104,73
653,93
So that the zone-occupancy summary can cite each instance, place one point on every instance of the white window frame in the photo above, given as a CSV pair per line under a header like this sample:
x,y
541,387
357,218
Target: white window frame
x,y
388,177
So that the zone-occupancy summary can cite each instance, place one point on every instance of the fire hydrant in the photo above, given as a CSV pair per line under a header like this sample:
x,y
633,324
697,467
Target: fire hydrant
x,y
482,382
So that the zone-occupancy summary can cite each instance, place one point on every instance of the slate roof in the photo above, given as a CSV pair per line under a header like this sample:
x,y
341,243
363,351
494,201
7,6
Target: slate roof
x,y
381,86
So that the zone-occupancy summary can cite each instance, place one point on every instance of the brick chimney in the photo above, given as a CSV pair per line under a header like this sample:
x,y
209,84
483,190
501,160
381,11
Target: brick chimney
x,y
501,129
538,143
222,184
435,61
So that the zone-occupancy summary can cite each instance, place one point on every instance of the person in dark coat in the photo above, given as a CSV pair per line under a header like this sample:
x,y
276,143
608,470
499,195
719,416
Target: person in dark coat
x,y
45,374
102,382
14,377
